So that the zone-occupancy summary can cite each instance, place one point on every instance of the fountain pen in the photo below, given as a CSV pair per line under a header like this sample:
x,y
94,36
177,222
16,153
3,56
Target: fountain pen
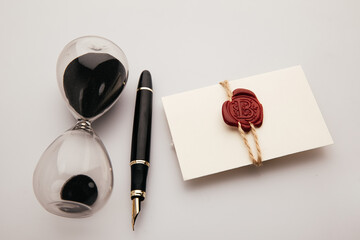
x,y
140,145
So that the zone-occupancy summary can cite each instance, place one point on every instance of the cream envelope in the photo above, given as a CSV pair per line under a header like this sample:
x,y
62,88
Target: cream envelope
x,y
205,144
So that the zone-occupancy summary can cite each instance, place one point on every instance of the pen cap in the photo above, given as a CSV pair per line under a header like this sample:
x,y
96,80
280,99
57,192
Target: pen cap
x,y
140,147
145,80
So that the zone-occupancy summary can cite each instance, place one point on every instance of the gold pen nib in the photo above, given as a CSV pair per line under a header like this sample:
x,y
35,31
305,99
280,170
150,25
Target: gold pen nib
x,y
135,210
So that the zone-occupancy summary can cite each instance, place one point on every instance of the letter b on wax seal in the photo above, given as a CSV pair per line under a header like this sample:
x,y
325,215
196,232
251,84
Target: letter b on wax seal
x,y
244,108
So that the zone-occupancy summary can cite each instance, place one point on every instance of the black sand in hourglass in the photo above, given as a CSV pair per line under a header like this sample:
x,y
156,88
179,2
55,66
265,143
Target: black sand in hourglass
x,y
92,82
81,189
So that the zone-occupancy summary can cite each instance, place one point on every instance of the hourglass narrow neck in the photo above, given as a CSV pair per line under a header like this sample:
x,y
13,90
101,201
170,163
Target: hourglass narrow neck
x,y
83,124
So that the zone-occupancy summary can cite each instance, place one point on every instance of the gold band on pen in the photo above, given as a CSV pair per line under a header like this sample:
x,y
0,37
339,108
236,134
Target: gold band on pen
x,y
138,193
145,88
140,162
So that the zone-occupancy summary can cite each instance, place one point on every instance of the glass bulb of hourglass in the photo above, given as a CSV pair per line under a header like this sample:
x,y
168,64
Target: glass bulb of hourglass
x,y
73,177
91,74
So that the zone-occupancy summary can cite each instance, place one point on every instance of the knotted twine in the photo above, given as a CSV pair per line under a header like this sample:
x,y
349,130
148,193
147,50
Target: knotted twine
x,y
256,161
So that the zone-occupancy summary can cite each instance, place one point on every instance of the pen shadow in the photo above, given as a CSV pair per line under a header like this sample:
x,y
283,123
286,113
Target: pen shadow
x,y
269,167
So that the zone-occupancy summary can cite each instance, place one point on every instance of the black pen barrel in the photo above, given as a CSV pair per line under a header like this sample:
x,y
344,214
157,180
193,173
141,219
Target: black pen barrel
x,y
141,137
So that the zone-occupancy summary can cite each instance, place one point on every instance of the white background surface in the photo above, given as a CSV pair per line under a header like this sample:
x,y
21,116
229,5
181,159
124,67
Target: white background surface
x,y
186,45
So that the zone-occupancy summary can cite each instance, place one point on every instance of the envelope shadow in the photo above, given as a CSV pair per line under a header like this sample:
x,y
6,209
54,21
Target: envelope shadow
x,y
269,167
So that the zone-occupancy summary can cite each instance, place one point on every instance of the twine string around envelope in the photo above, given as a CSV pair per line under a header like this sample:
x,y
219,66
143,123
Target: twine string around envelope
x,y
256,161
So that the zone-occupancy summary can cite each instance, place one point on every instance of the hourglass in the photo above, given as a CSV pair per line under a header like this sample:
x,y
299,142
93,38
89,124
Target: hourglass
x,y
73,177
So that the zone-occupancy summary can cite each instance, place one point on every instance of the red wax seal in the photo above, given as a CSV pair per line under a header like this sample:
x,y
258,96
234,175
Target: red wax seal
x,y
244,108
